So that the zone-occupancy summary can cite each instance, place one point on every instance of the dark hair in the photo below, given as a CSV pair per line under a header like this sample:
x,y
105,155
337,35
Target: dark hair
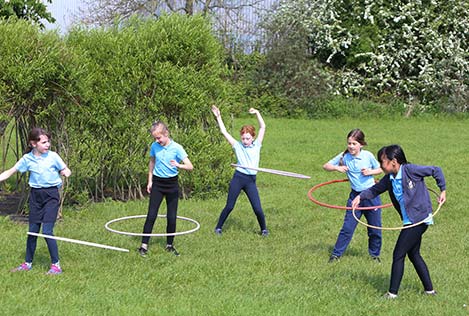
x,y
359,136
35,136
391,152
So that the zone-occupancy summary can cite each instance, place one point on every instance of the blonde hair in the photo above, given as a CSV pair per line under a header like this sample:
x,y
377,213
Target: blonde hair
x,y
159,125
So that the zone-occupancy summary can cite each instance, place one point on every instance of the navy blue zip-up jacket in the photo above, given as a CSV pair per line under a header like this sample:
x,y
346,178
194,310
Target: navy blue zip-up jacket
x,y
416,197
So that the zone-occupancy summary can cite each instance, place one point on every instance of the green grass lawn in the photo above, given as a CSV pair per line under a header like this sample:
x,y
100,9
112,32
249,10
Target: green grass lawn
x,y
241,273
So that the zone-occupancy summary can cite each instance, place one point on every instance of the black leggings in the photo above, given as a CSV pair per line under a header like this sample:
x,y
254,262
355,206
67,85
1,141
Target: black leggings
x,y
156,197
408,243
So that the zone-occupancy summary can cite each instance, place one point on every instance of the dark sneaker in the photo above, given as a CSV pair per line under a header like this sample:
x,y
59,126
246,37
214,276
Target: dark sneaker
x,y
334,258
170,248
218,231
390,296
22,267
142,251
376,259
265,233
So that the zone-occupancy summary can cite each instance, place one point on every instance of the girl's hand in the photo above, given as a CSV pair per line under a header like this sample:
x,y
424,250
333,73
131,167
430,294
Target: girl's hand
x,y
215,110
253,111
174,163
442,197
356,202
342,169
366,172
65,172
149,185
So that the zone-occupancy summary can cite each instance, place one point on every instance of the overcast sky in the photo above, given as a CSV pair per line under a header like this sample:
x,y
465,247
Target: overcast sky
x,y
62,11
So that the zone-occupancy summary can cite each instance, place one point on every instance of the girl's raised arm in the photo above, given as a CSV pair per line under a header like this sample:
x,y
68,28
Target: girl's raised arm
x,y
223,130
260,120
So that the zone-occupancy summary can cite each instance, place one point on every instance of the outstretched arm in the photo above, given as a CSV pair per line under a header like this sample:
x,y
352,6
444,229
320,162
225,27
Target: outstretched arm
x,y
260,120
228,137
7,173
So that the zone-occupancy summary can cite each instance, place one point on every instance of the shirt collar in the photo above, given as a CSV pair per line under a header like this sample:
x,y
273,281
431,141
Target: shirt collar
x,y
398,175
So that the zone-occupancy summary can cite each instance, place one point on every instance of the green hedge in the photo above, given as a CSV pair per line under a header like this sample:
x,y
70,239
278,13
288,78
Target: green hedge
x,y
99,90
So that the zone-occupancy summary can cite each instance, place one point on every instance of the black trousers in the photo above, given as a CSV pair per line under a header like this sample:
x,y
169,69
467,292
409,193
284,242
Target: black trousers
x,y
408,243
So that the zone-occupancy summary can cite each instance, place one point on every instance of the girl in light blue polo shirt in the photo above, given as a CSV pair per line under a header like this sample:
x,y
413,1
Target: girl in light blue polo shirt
x,y
247,153
360,166
45,168
166,159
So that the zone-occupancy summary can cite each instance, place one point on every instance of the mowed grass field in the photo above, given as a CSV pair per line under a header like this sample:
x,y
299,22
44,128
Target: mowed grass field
x,y
242,273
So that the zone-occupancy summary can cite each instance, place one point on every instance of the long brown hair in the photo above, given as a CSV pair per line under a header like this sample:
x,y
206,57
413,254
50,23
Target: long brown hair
x,y
359,136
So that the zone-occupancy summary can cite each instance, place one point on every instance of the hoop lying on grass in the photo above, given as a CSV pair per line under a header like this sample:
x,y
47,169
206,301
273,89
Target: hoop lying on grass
x,y
317,186
400,227
81,242
273,171
151,235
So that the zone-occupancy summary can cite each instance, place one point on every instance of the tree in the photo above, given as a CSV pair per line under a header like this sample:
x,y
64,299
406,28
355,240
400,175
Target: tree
x,y
416,50
234,21
31,10
105,12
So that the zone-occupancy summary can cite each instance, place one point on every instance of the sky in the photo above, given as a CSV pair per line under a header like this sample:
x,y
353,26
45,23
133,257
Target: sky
x,y
62,11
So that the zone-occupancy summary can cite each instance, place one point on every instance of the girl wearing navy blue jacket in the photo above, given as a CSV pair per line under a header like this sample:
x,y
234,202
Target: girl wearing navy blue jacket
x,y
409,195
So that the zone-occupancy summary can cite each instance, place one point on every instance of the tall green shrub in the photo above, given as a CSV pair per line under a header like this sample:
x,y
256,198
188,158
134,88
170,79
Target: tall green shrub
x,y
99,90
168,69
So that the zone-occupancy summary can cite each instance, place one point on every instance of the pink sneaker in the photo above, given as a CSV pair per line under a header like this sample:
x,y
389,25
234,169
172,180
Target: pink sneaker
x,y
23,267
54,269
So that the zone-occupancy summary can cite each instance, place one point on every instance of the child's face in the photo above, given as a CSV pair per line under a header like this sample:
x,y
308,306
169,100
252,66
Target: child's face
x,y
353,146
389,166
160,137
42,145
247,139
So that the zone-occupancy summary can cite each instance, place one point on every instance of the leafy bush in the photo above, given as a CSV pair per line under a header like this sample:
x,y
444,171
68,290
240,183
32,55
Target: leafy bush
x,y
99,90
416,50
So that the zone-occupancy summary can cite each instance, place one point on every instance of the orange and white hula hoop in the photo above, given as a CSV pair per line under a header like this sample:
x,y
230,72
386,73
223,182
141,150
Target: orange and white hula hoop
x,y
339,207
310,195
399,227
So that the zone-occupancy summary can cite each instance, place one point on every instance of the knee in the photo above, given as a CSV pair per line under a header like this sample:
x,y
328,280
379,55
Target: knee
x,y
48,229
398,255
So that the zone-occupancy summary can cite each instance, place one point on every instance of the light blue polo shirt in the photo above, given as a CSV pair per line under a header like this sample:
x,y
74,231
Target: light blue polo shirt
x,y
398,191
364,160
248,156
163,155
43,170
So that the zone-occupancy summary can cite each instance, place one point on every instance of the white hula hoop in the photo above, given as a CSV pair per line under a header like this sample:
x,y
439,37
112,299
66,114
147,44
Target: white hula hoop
x,y
81,242
197,226
273,171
